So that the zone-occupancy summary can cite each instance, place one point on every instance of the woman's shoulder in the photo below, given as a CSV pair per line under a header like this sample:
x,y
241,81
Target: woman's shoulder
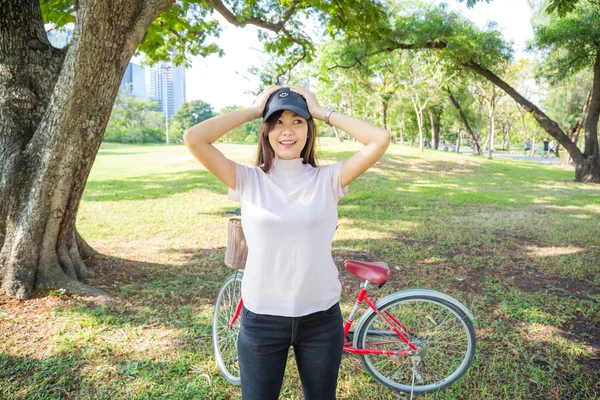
x,y
330,166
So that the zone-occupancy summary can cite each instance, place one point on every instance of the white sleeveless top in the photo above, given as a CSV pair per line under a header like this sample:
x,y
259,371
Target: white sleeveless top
x,y
289,216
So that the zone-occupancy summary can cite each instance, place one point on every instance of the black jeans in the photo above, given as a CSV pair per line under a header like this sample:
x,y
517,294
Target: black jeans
x,y
263,344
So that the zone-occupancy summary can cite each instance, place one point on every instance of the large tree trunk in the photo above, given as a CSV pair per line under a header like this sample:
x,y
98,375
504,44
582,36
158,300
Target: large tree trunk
x,y
471,136
57,105
587,164
591,122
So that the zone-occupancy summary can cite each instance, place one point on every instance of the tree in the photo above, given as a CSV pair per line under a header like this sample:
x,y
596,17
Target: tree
x,y
573,44
245,133
567,103
425,77
56,104
491,96
572,40
473,137
135,121
191,113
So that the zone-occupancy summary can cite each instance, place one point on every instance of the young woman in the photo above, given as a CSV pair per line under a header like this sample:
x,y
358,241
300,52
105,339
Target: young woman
x,y
289,215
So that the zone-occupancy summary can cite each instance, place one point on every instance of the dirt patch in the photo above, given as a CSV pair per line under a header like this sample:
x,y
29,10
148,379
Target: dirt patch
x,y
35,306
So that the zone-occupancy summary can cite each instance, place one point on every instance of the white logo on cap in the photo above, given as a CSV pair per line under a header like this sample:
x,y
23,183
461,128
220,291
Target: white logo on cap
x,y
283,94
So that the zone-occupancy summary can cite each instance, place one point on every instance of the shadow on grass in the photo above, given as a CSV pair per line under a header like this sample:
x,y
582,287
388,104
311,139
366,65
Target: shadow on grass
x,y
31,378
63,377
153,186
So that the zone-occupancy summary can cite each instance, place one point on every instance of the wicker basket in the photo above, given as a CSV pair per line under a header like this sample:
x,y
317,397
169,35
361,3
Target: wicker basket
x,y
237,250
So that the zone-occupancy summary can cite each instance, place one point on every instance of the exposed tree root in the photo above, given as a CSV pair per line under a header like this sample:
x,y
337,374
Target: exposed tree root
x,y
55,278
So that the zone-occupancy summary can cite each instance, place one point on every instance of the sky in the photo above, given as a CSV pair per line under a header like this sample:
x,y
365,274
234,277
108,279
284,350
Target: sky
x,y
226,81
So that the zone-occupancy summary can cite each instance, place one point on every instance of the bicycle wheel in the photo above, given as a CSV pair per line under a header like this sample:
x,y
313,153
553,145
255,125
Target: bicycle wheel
x,y
444,335
224,337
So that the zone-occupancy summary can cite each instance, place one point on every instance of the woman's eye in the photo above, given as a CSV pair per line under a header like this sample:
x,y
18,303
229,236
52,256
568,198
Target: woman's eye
x,y
279,121
298,121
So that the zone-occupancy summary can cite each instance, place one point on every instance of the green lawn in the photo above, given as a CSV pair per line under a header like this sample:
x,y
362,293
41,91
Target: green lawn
x,y
516,241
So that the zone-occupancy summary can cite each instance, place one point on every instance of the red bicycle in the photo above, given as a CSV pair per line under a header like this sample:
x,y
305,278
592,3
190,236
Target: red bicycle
x,y
413,341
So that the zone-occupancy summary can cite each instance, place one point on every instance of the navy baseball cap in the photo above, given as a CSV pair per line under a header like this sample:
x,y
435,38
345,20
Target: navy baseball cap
x,y
285,99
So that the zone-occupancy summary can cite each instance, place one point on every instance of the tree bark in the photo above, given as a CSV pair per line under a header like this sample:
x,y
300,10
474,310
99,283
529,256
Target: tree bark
x,y
567,160
384,112
591,122
57,106
434,119
471,136
402,129
492,135
587,163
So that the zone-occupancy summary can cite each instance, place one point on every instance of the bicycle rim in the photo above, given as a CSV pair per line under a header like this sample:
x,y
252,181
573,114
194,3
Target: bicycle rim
x,y
444,335
224,337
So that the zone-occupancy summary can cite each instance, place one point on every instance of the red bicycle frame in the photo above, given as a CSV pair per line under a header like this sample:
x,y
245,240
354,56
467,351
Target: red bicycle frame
x,y
391,321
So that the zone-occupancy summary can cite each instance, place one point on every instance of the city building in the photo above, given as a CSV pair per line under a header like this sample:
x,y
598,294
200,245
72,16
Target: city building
x,y
134,81
60,37
167,87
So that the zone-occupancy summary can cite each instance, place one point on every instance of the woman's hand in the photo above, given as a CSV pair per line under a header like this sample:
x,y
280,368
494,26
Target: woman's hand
x,y
261,100
314,108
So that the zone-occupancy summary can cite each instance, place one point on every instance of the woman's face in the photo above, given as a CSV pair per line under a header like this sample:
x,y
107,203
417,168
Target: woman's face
x,y
288,136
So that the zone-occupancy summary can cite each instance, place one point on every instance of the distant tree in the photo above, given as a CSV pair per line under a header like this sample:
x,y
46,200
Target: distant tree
x,y
191,113
457,98
135,121
247,133
567,103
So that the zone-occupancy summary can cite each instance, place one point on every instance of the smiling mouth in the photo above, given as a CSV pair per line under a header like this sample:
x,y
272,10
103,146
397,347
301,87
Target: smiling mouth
x,y
287,142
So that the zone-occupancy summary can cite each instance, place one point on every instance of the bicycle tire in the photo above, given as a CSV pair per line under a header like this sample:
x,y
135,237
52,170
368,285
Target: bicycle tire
x,y
225,338
441,363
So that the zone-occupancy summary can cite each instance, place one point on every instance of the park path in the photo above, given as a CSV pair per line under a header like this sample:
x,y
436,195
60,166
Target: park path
x,y
547,160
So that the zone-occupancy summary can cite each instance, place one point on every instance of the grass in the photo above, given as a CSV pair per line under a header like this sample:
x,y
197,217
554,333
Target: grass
x,y
516,241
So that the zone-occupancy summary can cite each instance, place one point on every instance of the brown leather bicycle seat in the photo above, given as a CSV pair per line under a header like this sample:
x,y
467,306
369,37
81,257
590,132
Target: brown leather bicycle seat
x,y
375,272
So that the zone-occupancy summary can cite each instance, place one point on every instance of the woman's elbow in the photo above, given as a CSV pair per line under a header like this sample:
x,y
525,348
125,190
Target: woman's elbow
x,y
188,137
386,138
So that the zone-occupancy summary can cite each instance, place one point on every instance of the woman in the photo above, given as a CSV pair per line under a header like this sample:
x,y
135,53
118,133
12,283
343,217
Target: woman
x,y
289,215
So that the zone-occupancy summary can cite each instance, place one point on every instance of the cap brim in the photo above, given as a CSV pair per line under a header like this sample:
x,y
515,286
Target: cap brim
x,y
298,110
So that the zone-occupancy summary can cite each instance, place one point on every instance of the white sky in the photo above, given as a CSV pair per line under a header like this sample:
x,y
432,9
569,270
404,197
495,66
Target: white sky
x,y
225,81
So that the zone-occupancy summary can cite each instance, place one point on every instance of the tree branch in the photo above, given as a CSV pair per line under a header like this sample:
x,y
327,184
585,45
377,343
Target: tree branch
x,y
299,60
232,19
471,138
431,44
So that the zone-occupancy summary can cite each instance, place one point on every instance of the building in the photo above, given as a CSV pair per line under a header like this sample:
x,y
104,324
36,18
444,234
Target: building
x,y
170,80
59,38
134,81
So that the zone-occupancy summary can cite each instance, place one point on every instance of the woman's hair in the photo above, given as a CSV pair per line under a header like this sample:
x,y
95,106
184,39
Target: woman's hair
x,y
266,155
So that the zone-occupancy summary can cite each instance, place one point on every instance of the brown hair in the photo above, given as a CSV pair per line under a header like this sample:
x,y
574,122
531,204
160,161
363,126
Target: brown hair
x,y
266,154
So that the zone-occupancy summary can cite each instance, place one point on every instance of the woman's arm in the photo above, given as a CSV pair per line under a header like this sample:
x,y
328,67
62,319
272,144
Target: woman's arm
x,y
200,137
375,138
